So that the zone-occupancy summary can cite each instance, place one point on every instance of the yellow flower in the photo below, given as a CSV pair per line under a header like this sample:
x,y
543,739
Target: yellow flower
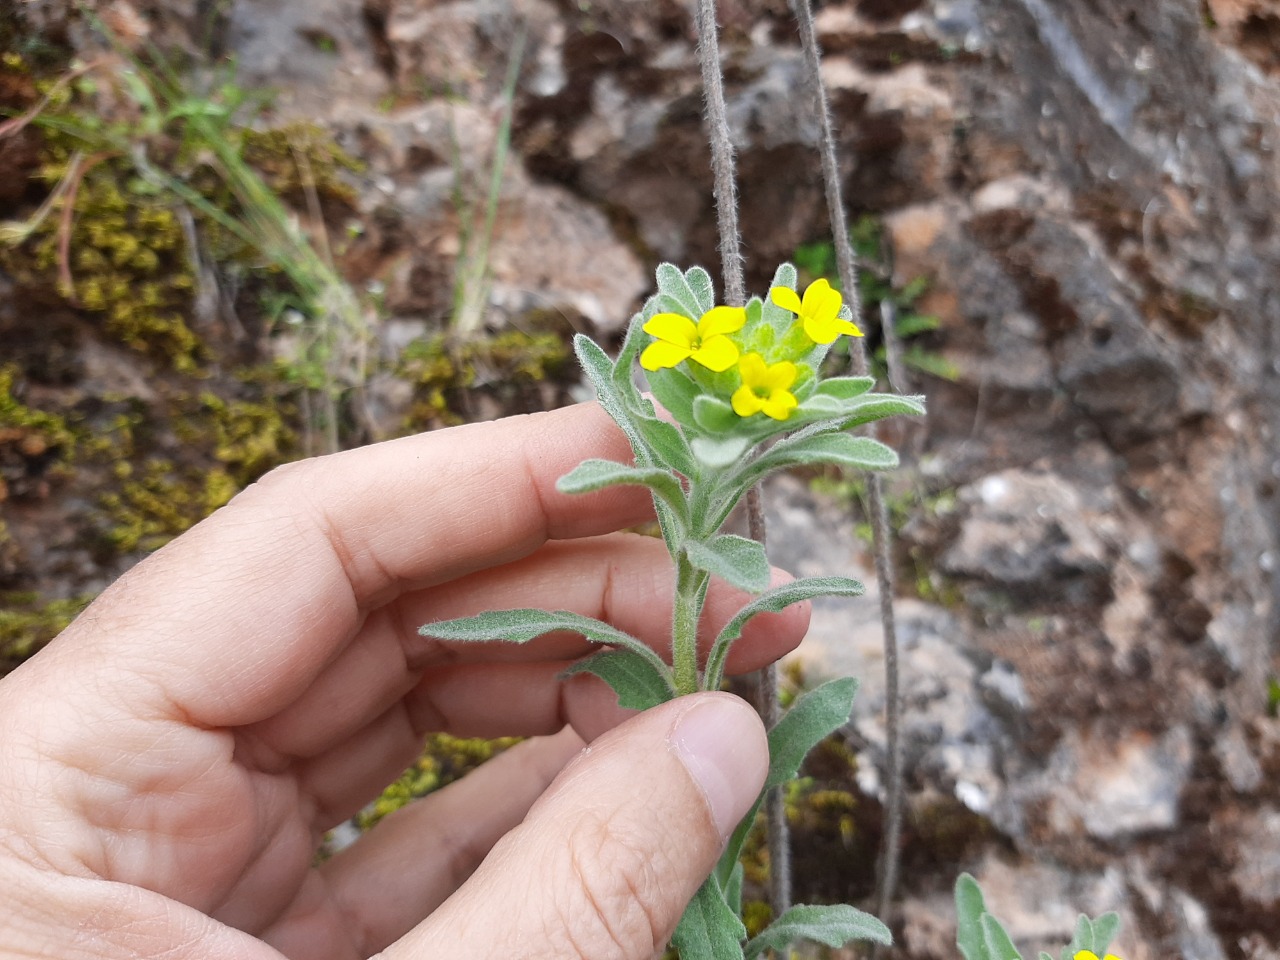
x,y
765,389
819,311
679,338
1090,955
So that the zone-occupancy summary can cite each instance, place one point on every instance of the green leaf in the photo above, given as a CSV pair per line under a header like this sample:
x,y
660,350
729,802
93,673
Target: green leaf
x,y
774,601
709,930
1083,936
736,560
523,625
713,414
877,406
846,388
704,290
831,926
970,908
839,449
599,370
999,946
667,445
718,454
675,391
733,889
673,286
592,475
813,718
1105,929
637,682
1045,956
624,367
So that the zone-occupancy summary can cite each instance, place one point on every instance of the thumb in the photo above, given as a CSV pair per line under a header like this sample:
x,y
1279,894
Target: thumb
x,y
606,861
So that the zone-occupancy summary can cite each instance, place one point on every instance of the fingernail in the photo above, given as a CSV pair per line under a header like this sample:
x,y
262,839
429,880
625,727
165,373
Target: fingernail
x,y
721,743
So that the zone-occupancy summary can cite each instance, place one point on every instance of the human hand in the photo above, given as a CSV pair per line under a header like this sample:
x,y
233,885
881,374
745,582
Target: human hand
x,y
171,761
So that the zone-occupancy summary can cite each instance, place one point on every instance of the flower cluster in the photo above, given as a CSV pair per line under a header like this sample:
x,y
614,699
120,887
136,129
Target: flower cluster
x,y
763,363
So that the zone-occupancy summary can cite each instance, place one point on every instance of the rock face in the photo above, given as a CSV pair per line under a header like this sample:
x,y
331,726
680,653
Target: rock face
x,y
1091,190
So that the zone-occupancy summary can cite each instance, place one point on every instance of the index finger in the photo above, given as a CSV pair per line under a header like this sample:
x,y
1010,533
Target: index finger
x,y
238,615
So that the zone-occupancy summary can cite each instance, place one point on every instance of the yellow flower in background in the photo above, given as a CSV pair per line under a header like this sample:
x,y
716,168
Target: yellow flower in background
x,y
1090,955
819,311
678,338
766,388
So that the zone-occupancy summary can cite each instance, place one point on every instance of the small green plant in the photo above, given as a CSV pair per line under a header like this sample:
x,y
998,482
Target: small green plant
x,y
178,178
747,396
471,284
980,936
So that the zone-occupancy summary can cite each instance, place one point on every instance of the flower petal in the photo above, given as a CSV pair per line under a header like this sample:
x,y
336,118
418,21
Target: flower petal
x,y
825,330
661,354
779,376
786,298
721,320
814,296
779,405
673,328
717,353
746,403
753,369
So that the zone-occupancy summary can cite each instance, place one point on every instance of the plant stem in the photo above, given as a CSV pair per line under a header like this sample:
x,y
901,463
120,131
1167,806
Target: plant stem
x,y
684,625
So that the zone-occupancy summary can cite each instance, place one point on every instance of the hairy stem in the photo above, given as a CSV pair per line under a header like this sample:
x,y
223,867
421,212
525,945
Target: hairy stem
x,y
684,625
891,849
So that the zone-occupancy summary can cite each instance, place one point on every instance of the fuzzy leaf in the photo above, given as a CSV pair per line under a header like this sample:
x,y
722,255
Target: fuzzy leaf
x,y
1045,956
521,626
600,371
704,290
812,718
839,449
774,601
832,926
736,560
999,946
970,907
846,388
733,889
667,445
592,475
637,682
1083,936
624,367
709,930
719,453
877,406
675,391
1105,929
673,286
714,415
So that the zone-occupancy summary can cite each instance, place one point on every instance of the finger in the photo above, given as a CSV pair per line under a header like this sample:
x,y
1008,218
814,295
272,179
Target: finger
x,y
606,861
234,619
341,781
623,579
414,859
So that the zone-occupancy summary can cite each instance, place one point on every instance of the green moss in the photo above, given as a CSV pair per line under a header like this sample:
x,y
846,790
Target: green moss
x,y
444,759
443,369
123,250
28,622
33,432
299,157
162,500
246,437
